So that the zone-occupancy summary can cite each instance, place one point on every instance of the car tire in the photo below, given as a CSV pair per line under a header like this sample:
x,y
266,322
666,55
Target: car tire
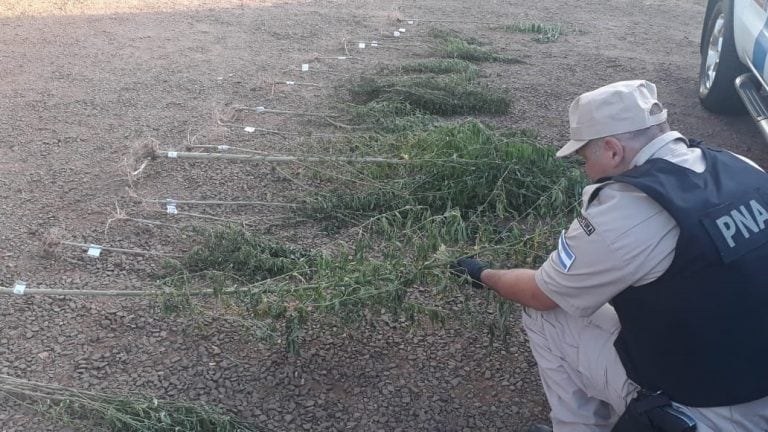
x,y
720,64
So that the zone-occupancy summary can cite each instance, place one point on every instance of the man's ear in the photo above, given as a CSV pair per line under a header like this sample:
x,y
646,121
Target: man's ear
x,y
614,150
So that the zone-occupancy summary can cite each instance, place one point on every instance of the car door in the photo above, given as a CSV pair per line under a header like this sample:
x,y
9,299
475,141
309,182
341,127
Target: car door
x,y
751,34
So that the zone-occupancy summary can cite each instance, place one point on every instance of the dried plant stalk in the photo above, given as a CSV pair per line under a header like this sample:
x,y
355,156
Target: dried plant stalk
x,y
276,159
113,293
261,110
277,204
120,250
123,412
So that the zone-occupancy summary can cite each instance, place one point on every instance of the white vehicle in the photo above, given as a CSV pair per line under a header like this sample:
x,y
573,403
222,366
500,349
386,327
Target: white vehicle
x,y
734,49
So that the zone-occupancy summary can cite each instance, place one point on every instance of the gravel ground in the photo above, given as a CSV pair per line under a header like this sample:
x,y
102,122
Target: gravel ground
x,y
80,91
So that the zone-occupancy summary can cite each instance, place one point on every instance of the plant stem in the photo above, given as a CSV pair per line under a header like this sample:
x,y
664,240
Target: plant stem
x,y
112,293
296,83
128,251
226,202
277,159
203,216
449,21
274,111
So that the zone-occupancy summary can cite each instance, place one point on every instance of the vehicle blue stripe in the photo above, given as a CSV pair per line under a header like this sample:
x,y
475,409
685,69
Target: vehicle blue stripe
x,y
760,51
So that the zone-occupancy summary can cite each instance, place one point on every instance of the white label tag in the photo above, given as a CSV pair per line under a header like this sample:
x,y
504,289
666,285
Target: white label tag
x,y
173,155
260,109
226,147
396,34
374,44
19,287
290,83
402,30
410,22
341,58
170,207
249,129
361,45
94,250
304,67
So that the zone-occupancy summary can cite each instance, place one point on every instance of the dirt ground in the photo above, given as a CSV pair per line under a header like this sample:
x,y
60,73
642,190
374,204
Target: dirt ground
x,y
83,82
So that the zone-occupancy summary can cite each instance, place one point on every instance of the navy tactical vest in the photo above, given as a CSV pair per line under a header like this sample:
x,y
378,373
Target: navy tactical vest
x,y
700,331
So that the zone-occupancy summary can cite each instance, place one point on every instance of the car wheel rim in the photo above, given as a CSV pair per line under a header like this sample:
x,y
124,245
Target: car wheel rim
x,y
713,56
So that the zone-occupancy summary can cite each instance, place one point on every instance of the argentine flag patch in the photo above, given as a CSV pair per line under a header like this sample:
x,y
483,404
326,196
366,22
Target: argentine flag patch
x,y
565,255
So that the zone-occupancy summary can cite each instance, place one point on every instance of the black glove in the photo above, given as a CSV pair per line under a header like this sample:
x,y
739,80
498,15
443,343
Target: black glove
x,y
471,267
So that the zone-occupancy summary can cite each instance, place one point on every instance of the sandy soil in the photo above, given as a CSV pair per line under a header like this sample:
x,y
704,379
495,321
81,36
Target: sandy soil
x,y
83,83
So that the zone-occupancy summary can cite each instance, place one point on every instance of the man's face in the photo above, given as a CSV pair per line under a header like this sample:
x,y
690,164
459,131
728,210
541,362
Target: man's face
x,y
599,160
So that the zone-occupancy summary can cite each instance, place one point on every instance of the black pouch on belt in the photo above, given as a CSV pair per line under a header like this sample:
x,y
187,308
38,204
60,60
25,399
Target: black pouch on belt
x,y
653,412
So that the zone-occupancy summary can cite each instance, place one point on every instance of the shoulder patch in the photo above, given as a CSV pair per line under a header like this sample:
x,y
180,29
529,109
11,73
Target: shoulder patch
x,y
565,256
586,225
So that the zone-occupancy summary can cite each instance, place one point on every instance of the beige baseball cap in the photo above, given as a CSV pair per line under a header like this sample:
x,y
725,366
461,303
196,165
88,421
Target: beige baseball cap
x,y
624,106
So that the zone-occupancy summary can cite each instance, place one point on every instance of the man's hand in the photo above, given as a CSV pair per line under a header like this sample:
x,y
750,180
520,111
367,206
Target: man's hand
x,y
470,267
